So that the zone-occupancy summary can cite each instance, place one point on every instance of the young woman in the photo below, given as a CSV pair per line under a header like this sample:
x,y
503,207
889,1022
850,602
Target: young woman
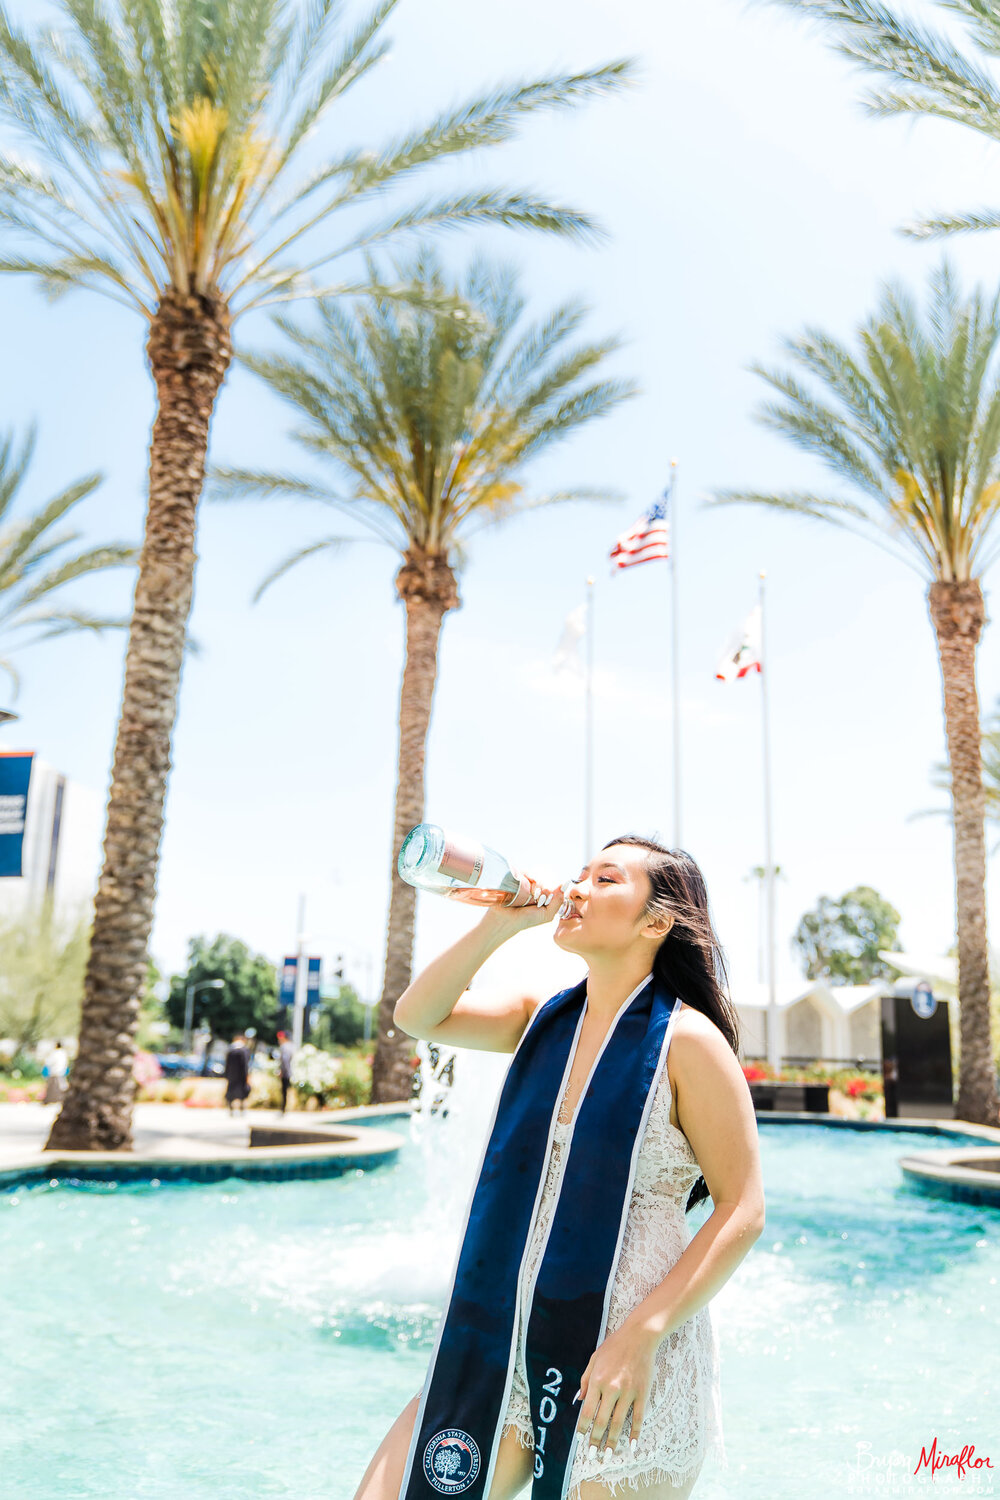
x,y
648,1399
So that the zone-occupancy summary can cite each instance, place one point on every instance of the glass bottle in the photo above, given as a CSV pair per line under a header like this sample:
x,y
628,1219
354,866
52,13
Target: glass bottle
x,y
435,860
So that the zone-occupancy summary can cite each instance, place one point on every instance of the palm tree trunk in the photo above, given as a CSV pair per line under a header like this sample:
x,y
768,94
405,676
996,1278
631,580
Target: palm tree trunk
x,y
189,352
426,584
958,614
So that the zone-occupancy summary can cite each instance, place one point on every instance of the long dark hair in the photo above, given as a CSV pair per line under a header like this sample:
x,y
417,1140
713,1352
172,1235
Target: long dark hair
x,y
690,960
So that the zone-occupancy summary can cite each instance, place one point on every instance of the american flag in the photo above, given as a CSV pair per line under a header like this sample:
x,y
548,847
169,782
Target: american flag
x,y
648,538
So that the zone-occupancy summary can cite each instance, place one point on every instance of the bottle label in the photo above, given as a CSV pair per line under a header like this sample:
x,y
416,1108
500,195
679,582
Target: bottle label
x,y
460,862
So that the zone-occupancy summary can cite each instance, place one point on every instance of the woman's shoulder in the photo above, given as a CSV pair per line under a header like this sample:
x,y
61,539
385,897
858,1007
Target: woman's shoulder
x,y
693,1022
697,1044
690,1022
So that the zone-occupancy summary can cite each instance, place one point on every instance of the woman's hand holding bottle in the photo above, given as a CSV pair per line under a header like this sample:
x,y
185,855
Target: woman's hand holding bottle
x,y
434,859
543,907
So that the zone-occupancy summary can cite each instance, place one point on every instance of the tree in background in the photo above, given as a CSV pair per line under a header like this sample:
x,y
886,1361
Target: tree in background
x,y
430,411
37,561
249,996
152,1010
341,1020
840,940
909,420
157,157
42,960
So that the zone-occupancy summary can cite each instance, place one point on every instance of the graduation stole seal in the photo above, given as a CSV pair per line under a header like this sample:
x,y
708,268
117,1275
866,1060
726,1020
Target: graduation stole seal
x,y
457,1430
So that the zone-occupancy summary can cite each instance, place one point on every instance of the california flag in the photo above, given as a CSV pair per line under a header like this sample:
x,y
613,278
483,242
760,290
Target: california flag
x,y
742,655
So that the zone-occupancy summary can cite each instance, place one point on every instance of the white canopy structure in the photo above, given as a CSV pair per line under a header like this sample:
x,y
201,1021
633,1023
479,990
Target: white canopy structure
x,y
821,1020
939,968
815,1020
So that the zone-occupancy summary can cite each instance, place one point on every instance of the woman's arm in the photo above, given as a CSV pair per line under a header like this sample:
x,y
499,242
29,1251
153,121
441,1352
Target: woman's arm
x,y
717,1116
435,1007
716,1111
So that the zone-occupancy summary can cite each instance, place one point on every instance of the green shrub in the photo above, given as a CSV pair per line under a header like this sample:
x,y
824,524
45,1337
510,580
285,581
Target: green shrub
x,y
23,1068
354,1082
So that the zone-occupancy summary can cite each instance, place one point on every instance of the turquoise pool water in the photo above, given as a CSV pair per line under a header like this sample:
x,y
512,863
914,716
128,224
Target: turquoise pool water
x,y
239,1340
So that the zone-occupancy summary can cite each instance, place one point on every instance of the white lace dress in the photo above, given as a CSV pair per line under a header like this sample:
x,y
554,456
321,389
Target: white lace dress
x,y
683,1418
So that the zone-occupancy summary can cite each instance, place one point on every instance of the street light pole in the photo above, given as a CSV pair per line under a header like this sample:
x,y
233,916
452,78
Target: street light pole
x,y
301,977
207,984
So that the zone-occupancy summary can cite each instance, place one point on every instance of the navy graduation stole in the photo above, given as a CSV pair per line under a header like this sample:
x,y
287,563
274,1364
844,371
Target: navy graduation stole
x,y
457,1430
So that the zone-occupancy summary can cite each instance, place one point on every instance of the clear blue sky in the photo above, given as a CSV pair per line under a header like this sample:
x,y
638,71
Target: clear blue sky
x,y
746,195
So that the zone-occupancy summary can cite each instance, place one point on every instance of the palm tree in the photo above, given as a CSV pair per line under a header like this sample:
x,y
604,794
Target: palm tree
x,y
164,169
925,73
911,422
429,411
36,562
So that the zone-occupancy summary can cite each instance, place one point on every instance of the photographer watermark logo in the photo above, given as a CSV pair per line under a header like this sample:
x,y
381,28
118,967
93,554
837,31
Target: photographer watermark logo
x,y
898,1473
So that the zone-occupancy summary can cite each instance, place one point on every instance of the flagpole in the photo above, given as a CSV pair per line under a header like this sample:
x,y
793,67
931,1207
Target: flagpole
x,y
674,669
588,732
773,1053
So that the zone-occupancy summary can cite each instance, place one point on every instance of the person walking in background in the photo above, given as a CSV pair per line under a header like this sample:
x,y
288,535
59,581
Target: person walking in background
x,y
237,1071
285,1055
55,1070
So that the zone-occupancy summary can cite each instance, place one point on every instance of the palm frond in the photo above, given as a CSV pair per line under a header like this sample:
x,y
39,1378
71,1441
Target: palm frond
x,y
488,206
430,408
159,142
224,483
14,675
486,121
325,544
227,483
38,557
582,495
13,467
65,622
94,560
27,534
934,226
925,73
935,74
361,51
909,417
982,19
835,511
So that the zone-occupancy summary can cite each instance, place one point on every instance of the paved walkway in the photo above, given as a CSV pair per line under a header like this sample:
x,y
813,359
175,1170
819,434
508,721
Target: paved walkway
x,y
157,1130
164,1131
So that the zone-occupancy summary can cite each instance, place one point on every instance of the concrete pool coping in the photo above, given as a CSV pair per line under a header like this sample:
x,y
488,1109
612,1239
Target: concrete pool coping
x,y
340,1142
946,1173
989,1134
326,1144
956,1174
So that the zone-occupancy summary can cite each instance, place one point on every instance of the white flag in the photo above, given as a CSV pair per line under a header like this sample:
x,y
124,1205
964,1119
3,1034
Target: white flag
x,y
742,654
568,651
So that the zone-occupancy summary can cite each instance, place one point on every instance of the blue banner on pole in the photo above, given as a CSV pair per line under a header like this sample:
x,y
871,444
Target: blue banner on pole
x,y
312,995
15,774
289,969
